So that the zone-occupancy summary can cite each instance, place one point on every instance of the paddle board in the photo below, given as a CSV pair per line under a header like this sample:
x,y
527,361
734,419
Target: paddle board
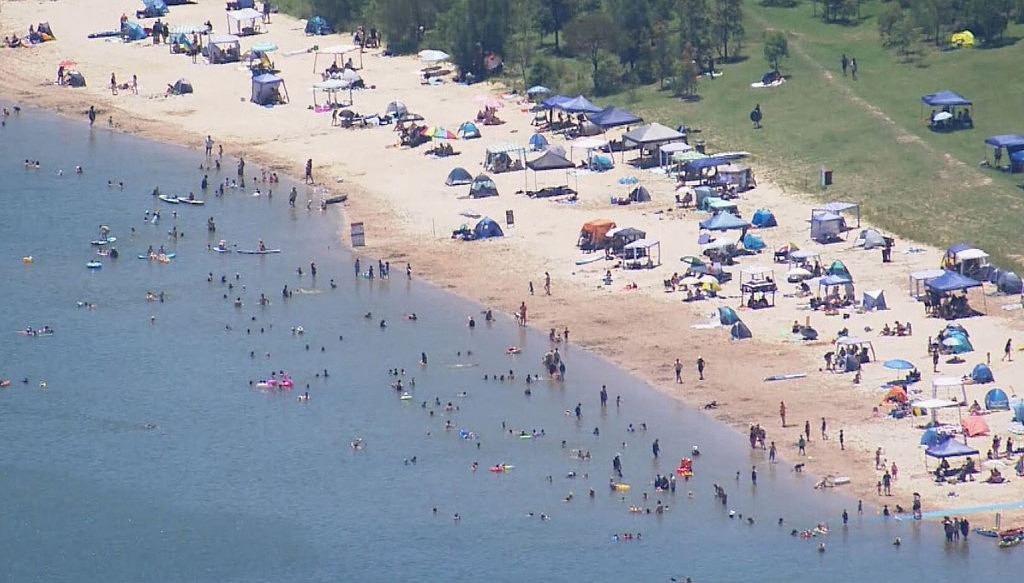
x,y
195,202
168,198
591,259
219,250
257,251
785,377
94,265
168,255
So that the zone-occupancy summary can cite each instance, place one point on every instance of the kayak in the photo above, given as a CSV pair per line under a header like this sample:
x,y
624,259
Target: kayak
x,y
157,256
500,468
257,251
192,201
220,250
93,264
336,199
104,241
169,198
989,532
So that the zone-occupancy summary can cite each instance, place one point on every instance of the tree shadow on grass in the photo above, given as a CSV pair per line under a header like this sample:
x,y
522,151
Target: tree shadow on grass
x,y
734,60
690,98
1005,41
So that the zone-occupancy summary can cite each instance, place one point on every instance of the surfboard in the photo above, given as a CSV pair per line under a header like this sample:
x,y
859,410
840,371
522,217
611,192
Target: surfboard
x,y
785,377
169,198
591,259
194,201
257,251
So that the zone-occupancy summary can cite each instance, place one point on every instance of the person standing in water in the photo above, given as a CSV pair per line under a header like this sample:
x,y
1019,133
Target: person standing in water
x,y
655,448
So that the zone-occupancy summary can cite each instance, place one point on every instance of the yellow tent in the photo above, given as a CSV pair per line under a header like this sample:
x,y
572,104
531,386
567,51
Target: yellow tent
x,y
963,38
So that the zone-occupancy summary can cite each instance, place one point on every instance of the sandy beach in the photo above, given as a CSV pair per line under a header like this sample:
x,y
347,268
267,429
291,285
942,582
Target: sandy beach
x,y
408,212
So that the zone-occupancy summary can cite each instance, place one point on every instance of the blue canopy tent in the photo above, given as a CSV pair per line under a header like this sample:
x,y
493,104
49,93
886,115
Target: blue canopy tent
x,y
487,228
578,104
996,400
268,89
612,116
951,281
554,101
538,142
724,222
1009,142
950,448
945,98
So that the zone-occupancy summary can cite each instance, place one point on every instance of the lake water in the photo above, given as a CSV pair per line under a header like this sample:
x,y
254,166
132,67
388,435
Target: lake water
x,y
149,457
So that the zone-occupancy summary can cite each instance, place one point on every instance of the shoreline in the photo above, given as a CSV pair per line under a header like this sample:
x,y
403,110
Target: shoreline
x,y
641,332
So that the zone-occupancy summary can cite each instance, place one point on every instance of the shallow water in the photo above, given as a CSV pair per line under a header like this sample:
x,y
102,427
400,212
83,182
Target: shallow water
x,y
149,457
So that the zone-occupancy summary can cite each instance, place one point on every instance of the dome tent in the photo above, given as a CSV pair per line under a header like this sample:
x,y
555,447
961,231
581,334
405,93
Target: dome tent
x,y
996,400
468,131
752,242
727,316
1009,283
487,228
181,87
763,218
982,374
874,300
640,194
869,239
483,187
538,142
740,331
318,26
459,176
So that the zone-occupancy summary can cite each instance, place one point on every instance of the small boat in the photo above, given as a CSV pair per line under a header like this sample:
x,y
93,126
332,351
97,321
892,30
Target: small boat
x,y
93,264
987,532
685,468
169,198
257,251
192,201
1007,542
336,199
99,242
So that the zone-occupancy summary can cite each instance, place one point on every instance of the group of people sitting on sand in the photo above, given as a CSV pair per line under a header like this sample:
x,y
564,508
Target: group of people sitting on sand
x,y
441,150
962,474
33,37
489,117
898,329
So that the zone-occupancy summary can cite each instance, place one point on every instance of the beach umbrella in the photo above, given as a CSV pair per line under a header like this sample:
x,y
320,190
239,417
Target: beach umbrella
x,y
943,116
690,280
438,133
797,274
489,101
347,114
538,90
898,364
711,285
952,342
706,278
68,63
993,465
629,180
691,260
433,56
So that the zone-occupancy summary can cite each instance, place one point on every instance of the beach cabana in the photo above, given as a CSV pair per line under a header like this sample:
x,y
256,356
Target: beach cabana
x,y
268,89
224,48
724,221
612,116
642,248
756,283
649,137
459,176
826,226
482,187
593,234
244,22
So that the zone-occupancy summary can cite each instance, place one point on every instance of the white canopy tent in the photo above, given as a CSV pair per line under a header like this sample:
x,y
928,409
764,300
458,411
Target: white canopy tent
x,y
330,89
643,248
587,145
337,51
667,151
245,15
950,384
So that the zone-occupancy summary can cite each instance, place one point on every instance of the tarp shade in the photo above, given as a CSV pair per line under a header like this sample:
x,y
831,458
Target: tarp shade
x,y
653,133
724,222
945,98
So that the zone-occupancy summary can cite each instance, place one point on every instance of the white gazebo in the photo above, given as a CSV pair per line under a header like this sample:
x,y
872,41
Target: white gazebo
x,y
239,18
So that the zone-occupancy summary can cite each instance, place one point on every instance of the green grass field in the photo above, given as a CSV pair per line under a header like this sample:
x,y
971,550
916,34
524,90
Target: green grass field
x,y
872,132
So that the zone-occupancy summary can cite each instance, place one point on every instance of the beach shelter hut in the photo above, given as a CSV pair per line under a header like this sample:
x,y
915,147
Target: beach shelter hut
x,y
396,109
482,187
612,116
763,218
740,331
243,22
505,157
837,267
468,131
75,79
930,437
181,87
982,374
458,177
223,48
268,89
724,221
950,448
752,242
874,300
974,425
727,316
318,26
131,31
996,400
593,234
962,39
487,228
649,137
537,142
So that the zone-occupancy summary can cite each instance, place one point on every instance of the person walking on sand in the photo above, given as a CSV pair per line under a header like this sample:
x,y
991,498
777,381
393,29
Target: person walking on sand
x,y
135,84
209,146
531,287
844,63
309,171
1008,350
824,426
782,412
113,84
547,283
807,429
853,69
700,367
522,314
679,371
842,442
935,360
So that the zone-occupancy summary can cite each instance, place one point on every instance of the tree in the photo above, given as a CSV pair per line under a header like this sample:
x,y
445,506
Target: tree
x,y
694,27
398,23
607,74
524,40
472,28
684,83
776,47
664,58
590,33
727,24
989,18
890,15
634,19
901,36
554,14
